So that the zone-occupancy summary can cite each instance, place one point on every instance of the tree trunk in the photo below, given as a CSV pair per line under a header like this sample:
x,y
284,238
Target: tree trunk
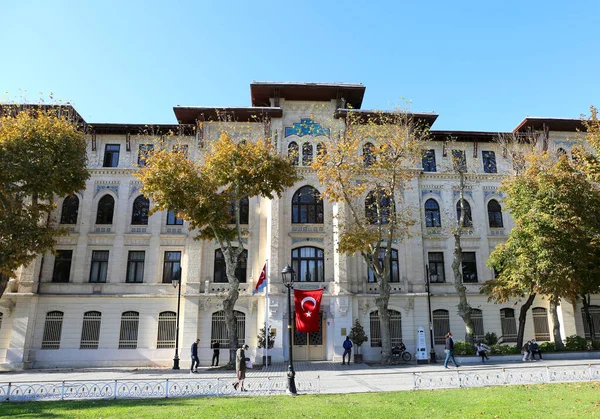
x,y
556,325
523,318
231,257
464,309
384,323
587,315
3,283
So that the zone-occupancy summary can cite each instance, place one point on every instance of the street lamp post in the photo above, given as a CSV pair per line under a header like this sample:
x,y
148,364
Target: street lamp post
x,y
177,284
431,346
288,276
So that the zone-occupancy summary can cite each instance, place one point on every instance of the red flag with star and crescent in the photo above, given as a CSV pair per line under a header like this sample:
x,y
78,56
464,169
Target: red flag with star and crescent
x,y
308,304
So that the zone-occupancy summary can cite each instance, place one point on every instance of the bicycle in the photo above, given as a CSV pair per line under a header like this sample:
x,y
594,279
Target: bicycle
x,y
400,354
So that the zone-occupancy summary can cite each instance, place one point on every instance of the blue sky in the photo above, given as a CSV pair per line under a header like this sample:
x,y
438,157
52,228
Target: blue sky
x,y
481,65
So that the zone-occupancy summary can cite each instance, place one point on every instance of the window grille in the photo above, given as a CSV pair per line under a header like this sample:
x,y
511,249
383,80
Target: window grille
x,y
509,325
129,330
167,330
540,324
595,315
441,326
219,328
52,330
90,332
395,328
477,317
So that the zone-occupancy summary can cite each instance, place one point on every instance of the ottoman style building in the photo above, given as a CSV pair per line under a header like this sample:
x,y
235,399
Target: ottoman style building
x,y
106,298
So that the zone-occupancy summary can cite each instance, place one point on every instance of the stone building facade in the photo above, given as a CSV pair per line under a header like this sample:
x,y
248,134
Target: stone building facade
x,y
105,298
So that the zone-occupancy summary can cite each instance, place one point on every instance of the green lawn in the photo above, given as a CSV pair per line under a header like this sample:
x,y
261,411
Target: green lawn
x,y
531,401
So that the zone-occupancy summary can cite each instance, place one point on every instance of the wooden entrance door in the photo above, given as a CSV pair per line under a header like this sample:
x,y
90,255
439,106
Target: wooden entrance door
x,y
310,346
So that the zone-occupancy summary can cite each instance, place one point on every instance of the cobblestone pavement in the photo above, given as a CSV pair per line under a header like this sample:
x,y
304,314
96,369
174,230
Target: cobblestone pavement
x,y
331,377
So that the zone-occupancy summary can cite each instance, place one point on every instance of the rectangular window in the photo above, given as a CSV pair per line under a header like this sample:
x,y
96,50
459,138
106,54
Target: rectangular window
x,y
181,148
172,219
99,267
459,160
111,155
172,266
135,266
489,162
144,152
62,266
469,267
436,267
429,161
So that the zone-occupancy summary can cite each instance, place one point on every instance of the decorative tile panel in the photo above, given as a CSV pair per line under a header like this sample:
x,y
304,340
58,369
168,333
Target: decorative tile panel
x,y
306,127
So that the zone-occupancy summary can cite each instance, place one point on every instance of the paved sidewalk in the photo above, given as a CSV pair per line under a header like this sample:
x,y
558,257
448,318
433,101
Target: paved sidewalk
x,y
333,377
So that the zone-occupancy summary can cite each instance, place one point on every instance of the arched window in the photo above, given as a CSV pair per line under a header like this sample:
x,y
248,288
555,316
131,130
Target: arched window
x,y
477,317
394,268
441,326
52,330
244,211
219,329
70,209
395,328
90,332
432,213
293,153
378,207
321,149
495,214
106,210
540,324
307,206
468,220
595,315
128,336
220,273
167,328
139,214
307,154
508,325
369,154
309,264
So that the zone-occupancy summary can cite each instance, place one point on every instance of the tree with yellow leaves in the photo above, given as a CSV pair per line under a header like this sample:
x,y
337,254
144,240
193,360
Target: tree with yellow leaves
x,y
42,155
365,170
207,194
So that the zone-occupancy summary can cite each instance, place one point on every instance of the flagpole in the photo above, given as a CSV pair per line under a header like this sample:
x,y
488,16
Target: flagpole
x,y
267,316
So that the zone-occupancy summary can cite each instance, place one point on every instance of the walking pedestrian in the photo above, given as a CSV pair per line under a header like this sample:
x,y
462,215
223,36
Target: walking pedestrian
x,y
450,351
240,368
215,358
195,360
347,350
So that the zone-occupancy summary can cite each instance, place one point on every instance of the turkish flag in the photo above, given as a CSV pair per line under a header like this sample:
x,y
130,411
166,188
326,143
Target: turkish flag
x,y
308,304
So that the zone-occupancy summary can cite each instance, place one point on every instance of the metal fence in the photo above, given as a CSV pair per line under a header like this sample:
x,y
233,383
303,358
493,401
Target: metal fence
x,y
506,376
139,389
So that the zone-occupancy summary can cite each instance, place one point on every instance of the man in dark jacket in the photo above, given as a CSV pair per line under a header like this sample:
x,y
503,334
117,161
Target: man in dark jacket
x,y
215,358
450,351
195,360
534,348
347,350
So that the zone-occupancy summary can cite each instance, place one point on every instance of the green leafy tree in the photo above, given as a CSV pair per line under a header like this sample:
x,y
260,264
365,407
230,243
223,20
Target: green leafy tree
x,y
207,194
553,249
42,155
365,170
357,335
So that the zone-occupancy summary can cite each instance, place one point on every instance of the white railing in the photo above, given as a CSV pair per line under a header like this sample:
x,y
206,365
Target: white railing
x,y
140,389
505,376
